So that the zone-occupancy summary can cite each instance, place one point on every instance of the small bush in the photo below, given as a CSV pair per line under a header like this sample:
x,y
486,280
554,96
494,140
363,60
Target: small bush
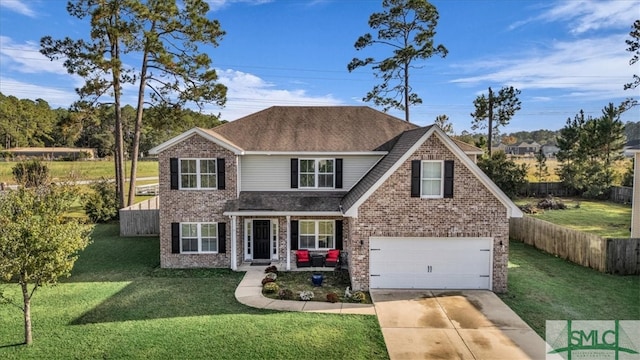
x,y
267,280
31,174
359,297
332,297
285,294
101,203
306,295
271,269
271,288
272,276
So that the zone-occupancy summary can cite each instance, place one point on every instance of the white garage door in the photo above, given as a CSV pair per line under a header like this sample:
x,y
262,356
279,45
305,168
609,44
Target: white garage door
x,y
430,263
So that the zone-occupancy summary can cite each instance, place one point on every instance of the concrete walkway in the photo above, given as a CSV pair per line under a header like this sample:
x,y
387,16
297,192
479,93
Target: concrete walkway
x,y
249,292
424,324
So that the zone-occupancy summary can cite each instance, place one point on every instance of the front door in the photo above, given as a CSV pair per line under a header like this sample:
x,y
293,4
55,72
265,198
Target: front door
x,y
261,231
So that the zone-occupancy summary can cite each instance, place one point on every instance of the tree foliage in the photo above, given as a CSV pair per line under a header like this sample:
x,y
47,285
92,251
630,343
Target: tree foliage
x,y
443,122
408,28
509,176
542,170
101,202
31,174
588,148
38,245
634,49
495,110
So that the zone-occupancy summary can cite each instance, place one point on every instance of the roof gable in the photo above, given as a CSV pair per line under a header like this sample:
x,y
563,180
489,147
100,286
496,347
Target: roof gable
x,y
207,134
407,144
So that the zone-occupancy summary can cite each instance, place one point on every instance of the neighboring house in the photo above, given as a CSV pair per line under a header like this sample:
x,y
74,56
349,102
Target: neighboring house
x,y
524,148
406,205
550,150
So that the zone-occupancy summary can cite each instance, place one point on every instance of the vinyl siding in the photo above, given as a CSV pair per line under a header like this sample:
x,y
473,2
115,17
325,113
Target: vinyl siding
x,y
272,172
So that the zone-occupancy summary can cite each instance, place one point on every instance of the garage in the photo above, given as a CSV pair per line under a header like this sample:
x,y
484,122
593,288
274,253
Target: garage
x,y
430,262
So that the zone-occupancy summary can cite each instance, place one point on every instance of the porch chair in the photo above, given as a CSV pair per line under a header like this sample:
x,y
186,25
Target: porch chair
x,y
332,259
302,258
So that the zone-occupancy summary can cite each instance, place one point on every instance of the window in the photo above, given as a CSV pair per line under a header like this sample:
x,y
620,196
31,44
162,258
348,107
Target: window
x,y
316,234
199,237
198,174
431,179
317,173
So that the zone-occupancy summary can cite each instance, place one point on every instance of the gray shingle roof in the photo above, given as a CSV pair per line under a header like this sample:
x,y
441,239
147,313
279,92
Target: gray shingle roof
x,y
313,128
283,201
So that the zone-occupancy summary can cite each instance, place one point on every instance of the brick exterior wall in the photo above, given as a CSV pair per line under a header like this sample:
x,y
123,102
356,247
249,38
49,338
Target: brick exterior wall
x,y
390,211
194,205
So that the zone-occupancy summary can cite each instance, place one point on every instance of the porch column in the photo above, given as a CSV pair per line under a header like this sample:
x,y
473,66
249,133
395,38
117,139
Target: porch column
x,y
288,265
234,243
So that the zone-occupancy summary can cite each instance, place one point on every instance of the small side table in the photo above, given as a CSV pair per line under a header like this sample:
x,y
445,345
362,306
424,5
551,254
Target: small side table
x,y
317,260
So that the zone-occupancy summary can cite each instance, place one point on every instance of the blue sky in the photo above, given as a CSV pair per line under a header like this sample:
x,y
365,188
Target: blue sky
x,y
563,55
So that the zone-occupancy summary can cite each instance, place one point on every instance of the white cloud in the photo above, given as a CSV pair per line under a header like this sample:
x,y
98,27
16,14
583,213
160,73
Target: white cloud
x,y
248,93
56,97
26,58
593,68
582,16
19,6
219,4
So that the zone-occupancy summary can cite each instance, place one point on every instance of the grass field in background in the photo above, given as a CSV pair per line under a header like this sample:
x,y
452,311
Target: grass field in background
x,y
82,170
619,168
603,218
544,287
118,304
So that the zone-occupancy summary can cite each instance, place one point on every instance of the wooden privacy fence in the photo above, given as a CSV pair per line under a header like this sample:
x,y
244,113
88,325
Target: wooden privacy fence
x,y
621,194
141,219
618,256
542,189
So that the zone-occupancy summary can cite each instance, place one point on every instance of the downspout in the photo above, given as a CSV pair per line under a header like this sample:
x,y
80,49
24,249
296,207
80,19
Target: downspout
x,y
234,244
288,265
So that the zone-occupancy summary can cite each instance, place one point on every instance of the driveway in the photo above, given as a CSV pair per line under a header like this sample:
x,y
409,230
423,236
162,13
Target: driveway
x,y
460,324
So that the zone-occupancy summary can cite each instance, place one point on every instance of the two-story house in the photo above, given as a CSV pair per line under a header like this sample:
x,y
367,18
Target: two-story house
x,y
406,205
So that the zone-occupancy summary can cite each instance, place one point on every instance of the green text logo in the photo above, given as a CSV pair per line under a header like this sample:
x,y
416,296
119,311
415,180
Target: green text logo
x,y
581,339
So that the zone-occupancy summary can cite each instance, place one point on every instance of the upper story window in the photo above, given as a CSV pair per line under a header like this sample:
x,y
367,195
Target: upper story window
x,y
317,173
431,179
192,173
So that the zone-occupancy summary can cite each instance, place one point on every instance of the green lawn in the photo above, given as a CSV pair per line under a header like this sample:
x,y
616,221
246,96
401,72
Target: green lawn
x,y
544,287
82,170
603,218
119,304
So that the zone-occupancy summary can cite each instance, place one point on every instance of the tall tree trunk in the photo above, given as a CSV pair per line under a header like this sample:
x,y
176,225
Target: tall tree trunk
x,y
406,92
119,158
28,338
135,149
490,121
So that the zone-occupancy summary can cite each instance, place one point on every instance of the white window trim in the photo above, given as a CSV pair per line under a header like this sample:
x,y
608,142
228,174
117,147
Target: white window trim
x,y
317,234
199,236
316,174
441,194
198,174
273,239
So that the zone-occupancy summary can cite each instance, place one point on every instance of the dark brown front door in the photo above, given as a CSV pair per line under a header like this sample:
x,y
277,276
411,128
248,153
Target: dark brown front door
x,y
261,230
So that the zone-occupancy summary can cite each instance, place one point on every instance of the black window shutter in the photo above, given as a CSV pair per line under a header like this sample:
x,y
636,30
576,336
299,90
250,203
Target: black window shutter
x,y
415,178
294,173
294,234
175,238
338,173
222,238
448,178
221,174
339,234
173,168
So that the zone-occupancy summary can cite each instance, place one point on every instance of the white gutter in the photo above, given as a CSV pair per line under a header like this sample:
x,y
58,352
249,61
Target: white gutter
x,y
282,213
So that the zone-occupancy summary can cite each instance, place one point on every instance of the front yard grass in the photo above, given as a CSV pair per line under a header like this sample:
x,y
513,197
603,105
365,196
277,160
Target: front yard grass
x,y
119,304
603,218
544,287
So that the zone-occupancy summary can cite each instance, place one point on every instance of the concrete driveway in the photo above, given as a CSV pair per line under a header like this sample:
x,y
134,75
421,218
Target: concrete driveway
x,y
459,324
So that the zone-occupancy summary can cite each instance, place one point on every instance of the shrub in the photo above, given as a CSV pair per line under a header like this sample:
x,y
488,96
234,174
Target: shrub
x,y
332,297
359,297
272,276
271,269
267,280
271,288
306,295
101,203
31,174
285,294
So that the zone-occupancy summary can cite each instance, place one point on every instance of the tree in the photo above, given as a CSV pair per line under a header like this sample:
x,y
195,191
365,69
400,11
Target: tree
x,y
443,122
542,171
634,48
505,173
172,70
498,108
38,245
408,28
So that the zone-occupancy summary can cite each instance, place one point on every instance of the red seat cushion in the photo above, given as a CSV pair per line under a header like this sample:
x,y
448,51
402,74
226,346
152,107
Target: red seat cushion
x,y
333,254
303,255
